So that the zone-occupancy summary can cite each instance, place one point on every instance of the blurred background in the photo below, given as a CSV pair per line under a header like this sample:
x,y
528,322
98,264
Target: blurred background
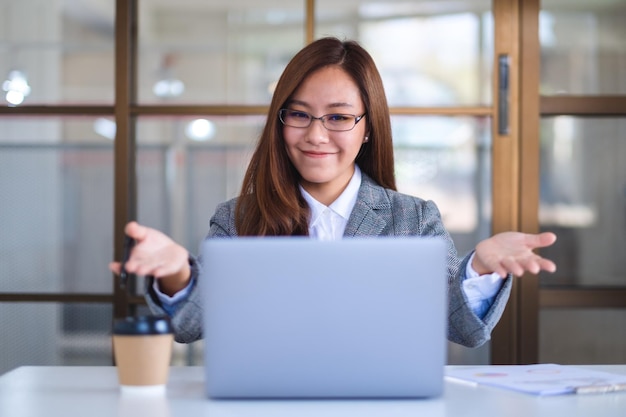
x,y
57,166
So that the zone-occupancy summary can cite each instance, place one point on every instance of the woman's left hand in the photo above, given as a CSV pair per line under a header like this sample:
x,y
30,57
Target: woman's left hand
x,y
513,253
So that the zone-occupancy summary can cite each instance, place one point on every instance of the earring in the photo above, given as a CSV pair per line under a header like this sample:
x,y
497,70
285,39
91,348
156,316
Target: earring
x,y
365,139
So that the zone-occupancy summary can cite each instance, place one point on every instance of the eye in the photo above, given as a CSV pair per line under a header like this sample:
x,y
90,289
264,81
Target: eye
x,y
294,114
338,117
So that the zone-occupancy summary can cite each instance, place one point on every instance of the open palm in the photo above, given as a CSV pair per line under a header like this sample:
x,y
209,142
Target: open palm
x,y
155,254
513,253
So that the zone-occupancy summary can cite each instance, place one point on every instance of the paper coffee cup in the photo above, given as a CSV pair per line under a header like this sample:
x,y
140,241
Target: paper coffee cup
x,y
142,347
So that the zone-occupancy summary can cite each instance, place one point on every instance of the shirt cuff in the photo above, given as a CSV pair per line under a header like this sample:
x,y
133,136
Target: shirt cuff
x,y
480,290
169,303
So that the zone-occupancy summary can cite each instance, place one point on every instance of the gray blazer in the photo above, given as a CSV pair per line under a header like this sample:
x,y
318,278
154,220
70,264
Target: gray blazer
x,y
378,212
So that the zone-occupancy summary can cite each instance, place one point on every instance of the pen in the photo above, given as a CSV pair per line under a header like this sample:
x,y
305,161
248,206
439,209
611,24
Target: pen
x,y
128,246
600,389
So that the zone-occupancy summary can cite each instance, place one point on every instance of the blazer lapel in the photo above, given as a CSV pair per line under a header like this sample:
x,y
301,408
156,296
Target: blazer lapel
x,y
371,208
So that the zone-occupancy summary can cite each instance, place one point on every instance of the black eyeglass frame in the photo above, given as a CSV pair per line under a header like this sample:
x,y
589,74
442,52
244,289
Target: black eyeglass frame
x,y
322,119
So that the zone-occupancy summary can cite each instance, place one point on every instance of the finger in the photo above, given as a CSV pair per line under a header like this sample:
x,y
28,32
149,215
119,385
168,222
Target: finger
x,y
531,265
502,272
537,264
135,262
136,231
115,267
500,269
512,266
155,267
547,265
547,238
145,269
540,240
139,265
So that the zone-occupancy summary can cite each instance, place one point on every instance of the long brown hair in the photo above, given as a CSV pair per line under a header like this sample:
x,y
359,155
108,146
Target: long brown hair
x,y
270,203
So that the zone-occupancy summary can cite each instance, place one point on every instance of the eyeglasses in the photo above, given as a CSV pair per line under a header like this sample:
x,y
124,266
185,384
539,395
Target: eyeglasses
x,y
337,122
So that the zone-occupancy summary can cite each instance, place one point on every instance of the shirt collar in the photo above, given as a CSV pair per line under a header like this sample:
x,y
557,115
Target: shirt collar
x,y
343,205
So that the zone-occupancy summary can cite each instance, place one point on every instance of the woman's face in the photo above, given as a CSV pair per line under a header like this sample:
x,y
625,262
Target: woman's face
x,y
325,158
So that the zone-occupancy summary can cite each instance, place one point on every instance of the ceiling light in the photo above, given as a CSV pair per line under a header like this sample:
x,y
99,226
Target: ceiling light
x,y
200,130
16,87
168,86
105,127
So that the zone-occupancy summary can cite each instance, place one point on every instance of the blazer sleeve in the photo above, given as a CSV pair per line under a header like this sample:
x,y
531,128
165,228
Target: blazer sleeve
x,y
464,327
188,313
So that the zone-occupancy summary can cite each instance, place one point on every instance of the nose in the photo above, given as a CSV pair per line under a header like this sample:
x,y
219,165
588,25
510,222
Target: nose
x,y
316,133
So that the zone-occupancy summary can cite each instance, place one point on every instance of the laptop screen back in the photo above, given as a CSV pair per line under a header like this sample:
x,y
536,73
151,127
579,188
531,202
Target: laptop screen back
x,y
297,317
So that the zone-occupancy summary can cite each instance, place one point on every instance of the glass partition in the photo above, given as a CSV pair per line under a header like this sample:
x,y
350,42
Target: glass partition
x,y
583,199
582,47
55,334
216,52
56,216
56,52
56,172
428,53
183,176
448,160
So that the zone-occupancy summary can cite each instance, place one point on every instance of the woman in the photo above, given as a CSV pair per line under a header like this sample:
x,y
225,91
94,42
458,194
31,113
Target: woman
x,y
323,167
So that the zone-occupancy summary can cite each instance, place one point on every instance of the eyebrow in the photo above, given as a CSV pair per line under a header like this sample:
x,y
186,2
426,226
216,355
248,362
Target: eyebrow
x,y
331,105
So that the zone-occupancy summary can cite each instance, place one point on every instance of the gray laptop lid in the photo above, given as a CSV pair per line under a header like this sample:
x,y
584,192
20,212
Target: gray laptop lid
x,y
297,317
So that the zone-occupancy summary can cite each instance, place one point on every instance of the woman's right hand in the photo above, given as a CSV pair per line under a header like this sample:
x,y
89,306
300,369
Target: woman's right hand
x,y
155,254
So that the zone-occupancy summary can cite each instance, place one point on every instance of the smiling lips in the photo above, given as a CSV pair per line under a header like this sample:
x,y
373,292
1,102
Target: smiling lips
x,y
316,154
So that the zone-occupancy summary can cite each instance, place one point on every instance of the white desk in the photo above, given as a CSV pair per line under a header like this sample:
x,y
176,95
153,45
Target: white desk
x,y
94,392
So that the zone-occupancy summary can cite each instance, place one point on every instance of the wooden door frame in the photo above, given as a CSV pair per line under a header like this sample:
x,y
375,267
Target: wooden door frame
x,y
516,338
516,170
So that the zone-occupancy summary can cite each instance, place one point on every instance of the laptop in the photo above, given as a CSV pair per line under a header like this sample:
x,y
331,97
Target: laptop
x,y
294,317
